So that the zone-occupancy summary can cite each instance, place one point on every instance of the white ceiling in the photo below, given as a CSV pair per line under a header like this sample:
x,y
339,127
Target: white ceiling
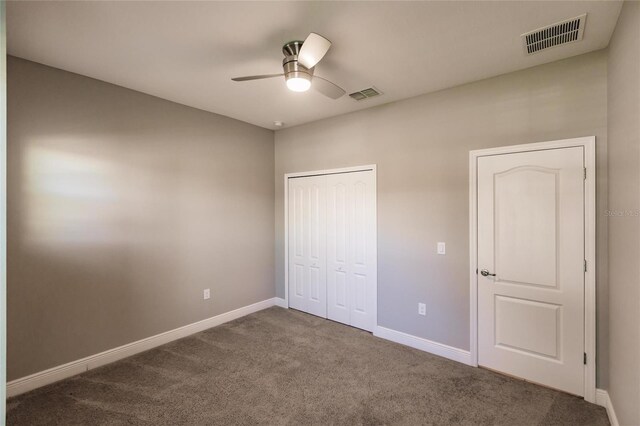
x,y
187,52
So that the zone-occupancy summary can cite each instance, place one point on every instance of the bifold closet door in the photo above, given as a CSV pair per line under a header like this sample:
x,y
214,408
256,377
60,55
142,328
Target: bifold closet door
x,y
307,245
351,249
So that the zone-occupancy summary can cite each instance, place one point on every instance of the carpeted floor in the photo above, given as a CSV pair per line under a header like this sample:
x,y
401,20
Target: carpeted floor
x,y
280,366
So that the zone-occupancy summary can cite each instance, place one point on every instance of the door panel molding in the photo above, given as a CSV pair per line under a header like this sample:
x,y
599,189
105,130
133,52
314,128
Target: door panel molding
x,y
588,144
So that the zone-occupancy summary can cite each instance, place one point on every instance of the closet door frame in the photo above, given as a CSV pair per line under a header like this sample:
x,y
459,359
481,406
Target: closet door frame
x,y
287,176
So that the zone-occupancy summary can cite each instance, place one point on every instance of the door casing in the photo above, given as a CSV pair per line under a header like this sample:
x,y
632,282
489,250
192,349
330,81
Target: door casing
x,y
588,143
3,210
287,176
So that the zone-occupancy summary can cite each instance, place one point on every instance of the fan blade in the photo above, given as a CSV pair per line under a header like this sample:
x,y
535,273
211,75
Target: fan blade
x,y
256,77
313,49
327,88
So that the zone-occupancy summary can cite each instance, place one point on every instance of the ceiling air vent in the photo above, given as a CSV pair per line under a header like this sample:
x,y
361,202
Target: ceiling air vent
x,y
564,32
365,93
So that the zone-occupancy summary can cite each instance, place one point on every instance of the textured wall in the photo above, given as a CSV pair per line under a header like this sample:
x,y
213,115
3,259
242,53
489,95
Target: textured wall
x,y
122,209
421,146
624,230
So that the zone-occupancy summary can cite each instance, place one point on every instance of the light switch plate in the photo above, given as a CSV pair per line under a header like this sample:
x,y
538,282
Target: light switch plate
x,y
441,248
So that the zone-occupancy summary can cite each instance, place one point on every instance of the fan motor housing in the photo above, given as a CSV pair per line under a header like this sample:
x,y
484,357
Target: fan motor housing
x,y
292,68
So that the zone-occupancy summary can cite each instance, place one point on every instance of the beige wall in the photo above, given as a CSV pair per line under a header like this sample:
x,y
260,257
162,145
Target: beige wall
x,y
421,146
123,208
624,231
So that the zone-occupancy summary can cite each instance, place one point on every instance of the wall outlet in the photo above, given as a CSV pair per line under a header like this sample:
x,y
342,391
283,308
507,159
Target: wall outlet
x,y
442,248
422,309
207,294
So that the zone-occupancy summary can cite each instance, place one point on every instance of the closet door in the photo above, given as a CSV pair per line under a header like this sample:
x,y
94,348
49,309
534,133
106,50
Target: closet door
x,y
338,256
307,245
351,249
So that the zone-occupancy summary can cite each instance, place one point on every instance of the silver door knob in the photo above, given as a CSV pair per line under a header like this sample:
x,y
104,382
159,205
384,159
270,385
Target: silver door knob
x,y
486,273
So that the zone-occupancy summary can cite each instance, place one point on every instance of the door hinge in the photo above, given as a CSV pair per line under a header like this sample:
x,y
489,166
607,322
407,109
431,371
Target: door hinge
x,y
585,265
585,358
585,173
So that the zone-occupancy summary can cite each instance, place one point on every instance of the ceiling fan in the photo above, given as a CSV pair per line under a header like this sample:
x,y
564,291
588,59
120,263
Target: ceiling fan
x,y
300,58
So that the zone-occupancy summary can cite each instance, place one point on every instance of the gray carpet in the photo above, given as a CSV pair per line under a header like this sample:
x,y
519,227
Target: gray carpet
x,y
284,367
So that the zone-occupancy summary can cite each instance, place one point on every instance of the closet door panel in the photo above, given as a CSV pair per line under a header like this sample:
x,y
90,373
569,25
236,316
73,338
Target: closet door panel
x,y
337,248
297,253
351,254
307,245
317,240
362,249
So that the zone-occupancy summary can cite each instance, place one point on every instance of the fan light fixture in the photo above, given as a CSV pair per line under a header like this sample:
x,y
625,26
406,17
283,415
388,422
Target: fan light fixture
x,y
300,59
298,84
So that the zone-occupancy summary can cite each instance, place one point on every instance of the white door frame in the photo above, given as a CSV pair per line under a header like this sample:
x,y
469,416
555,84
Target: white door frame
x,y
589,145
287,176
3,208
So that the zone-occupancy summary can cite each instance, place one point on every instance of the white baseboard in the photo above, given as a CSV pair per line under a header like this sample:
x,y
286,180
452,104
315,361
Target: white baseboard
x,y
603,399
33,381
460,355
281,302
435,348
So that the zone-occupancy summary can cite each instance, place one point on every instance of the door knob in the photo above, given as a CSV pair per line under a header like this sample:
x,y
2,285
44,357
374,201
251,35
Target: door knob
x,y
486,273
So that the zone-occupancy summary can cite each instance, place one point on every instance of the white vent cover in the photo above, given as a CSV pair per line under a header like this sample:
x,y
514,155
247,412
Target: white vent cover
x,y
365,93
563,32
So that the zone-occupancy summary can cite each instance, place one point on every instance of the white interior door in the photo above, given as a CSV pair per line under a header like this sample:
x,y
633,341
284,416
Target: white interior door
x,y
531,236
307,245
351,249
